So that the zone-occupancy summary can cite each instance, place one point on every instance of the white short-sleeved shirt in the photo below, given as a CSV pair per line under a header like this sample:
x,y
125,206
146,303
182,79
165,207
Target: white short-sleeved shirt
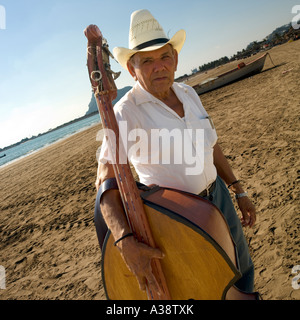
x,y
164,148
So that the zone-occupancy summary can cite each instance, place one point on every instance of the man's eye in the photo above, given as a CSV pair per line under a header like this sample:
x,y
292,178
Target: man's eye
x,y
147,61
166,57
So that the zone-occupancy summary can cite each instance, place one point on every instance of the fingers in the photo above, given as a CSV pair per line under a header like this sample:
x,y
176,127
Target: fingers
x,y
144,273
249,219
138,258
248,212
252,219
153,285
142,282
155,253
148,280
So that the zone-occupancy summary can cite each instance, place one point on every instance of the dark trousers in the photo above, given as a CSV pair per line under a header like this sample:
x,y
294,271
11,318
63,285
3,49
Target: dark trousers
x,y
221,198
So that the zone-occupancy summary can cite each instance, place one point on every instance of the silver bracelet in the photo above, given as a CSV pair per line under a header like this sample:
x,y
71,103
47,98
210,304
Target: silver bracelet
x,y
241,195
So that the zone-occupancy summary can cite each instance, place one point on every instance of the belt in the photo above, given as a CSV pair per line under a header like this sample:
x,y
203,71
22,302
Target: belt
x,y
206,192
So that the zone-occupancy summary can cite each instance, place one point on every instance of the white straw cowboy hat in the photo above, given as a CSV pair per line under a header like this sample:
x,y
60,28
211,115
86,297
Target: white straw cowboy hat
x,y
146,34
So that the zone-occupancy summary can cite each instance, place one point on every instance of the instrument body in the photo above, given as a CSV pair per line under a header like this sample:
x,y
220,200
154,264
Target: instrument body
x,y
185,227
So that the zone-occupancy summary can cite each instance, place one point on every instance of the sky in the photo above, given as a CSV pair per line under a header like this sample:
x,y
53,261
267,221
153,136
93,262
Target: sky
x,y
43,75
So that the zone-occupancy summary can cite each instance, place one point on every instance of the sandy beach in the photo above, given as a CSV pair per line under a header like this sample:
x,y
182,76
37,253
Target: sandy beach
x,y
48,242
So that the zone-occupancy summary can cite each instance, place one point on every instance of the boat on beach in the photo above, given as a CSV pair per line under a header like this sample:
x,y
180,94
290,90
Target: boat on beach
x,y
241,71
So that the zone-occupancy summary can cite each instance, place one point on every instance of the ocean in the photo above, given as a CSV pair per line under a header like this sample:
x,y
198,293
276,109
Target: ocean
x,y
31,146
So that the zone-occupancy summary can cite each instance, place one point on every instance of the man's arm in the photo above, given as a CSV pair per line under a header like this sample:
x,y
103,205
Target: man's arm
x,y
225,172
111,204
136,255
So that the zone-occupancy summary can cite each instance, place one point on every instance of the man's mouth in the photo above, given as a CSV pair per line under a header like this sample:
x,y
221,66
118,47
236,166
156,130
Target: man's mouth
x,y
160,79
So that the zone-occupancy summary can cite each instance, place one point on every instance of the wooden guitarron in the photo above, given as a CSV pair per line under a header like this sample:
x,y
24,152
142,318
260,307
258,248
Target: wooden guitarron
x,y
200,256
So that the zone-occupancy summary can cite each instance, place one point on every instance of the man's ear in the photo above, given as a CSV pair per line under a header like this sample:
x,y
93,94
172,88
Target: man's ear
x,y
131,70
176,59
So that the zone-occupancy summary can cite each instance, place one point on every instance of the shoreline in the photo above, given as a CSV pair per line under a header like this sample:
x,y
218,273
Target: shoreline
x,y
49,131
30,153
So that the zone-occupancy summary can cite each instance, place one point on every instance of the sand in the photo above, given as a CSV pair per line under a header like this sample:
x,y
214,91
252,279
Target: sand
x,y
48,242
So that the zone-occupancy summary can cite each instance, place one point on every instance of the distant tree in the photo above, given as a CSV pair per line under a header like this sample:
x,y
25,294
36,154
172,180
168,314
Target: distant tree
x,y
213,64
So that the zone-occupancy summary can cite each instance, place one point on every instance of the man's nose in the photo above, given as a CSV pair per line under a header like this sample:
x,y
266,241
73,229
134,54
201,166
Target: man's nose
x,y
158,65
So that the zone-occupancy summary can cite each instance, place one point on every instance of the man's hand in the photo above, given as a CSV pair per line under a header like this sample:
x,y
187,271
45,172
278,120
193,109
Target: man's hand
x,y
138,257
248,211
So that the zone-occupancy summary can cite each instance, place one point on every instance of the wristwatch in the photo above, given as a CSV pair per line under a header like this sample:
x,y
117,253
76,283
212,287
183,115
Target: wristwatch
x,y
241,195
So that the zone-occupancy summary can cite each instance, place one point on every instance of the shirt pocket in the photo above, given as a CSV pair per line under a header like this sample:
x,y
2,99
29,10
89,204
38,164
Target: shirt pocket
x,y
210,134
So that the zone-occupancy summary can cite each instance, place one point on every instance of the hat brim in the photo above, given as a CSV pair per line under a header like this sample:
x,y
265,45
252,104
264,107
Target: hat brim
x,y
122,55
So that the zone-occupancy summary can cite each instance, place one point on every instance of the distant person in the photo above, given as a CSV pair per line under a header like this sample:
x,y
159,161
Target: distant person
x,y
157,102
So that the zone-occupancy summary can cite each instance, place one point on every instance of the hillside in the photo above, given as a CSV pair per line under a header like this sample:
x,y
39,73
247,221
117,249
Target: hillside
x,y
93,105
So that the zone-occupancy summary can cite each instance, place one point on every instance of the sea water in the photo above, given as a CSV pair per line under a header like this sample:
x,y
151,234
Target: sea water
x,y
31,146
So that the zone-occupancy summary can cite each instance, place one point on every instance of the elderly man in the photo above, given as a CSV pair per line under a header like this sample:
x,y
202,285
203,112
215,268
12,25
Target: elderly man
x,y
157,102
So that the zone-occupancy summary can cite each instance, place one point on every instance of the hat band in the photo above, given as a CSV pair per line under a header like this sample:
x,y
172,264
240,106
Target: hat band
x,y
151,43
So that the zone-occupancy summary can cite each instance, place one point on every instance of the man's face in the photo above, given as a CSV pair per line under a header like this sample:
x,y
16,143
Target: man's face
x,y
155,70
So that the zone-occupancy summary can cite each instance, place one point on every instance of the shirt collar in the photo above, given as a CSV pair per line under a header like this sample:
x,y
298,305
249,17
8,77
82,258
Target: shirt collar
x,y
143,96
